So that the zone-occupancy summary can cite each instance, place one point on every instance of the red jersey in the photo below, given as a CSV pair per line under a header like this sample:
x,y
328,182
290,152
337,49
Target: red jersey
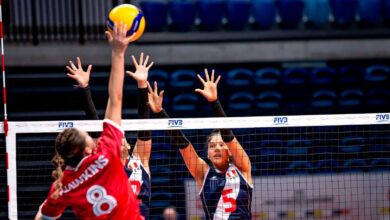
x,y
97,188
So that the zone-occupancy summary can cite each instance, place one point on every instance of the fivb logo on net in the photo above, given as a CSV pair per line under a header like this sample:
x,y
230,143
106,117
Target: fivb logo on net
x,y
65,124
280,120
383,117
175,123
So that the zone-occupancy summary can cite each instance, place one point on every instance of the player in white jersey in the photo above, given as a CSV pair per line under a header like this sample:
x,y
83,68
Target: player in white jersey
x,y
225,184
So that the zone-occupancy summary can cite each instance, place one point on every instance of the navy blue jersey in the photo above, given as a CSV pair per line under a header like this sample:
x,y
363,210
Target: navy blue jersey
x,y
139,181
226,195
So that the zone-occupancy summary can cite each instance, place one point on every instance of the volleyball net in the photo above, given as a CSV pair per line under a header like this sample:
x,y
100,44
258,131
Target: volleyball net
x,y
303,167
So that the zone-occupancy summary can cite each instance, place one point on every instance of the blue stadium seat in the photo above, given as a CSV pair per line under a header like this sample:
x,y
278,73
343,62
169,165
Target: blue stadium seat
x,y
291,12
295,76
380,164
241,101
183,79
237,13
211,13
160,76
351,98
350,74
300,146
324,98
323,76
352,144
269,100
185,102
354,165
268,77
327,166
264,13
295,100
317,12
239,77
379,144
377,74
344,11
386,11
160,175
378,98
299,167
370,12
272,161
156,14
183,14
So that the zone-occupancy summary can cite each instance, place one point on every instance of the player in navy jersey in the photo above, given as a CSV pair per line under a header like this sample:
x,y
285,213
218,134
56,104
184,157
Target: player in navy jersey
x,y
136,162
89,175
225,183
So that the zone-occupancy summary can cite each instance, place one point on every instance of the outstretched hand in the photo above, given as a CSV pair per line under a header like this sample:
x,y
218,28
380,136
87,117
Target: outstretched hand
x,y
155,98
141,70
78,74
118,39
209,90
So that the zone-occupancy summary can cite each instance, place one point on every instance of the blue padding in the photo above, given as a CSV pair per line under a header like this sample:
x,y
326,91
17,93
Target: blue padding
x,y
377,73
268,76
239,77
370,11
156,14
183,14
291,12
317,12
237,13
351,97
211,13
344,11
323,75
324,98
264,12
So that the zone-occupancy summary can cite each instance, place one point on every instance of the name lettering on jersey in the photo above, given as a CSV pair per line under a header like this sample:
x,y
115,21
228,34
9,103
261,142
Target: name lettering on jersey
x,y
65,124
89,172
382,117
175,123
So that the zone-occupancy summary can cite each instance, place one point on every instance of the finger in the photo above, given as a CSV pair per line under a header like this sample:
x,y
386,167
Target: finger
x,y
73,66
70,69
201,79
108,35
79,62
146,60
199,91
134,61
161,95
155,87
130,73
115,28
217,81
207,75
124,30
212,75
89,68
141,59
150,65
71,76
149,88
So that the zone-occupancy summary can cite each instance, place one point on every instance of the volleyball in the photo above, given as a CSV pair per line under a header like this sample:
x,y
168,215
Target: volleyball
x,y
130,15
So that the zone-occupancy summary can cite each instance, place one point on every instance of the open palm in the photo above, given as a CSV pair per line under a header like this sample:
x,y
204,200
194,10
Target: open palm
x,y
155,98
209,90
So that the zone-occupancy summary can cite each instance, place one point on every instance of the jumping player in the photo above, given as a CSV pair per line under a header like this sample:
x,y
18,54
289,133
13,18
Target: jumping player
x,y
135,161
225,183
89,176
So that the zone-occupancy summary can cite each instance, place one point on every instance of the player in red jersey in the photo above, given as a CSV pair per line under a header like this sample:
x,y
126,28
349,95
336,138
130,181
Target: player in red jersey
x,y
89,176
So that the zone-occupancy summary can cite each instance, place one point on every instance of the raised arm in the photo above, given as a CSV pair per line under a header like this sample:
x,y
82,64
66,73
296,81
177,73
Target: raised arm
x,y
119,43
209,91
143,146
82,78
196,165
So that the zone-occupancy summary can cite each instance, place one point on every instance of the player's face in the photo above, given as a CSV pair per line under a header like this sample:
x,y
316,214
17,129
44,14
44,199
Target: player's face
x,y
218,152
90,144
